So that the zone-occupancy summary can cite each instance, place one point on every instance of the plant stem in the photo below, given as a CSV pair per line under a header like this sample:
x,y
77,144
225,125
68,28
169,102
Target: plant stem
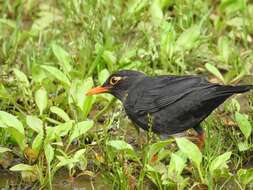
x,y
200,174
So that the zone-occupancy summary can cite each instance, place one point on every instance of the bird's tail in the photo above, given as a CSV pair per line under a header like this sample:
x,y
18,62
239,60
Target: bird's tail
x,y
239,89
226,91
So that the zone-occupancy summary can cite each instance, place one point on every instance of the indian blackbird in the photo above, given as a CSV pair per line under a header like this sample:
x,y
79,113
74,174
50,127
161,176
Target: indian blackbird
x,y
169,104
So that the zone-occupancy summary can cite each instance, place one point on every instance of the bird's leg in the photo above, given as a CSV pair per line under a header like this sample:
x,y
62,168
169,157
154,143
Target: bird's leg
x,y
200,136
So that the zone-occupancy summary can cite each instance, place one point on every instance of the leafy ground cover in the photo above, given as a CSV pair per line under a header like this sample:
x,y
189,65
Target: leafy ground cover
x,y
52,52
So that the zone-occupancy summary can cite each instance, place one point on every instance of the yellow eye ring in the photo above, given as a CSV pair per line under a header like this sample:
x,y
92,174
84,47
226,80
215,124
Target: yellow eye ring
x,y
114,80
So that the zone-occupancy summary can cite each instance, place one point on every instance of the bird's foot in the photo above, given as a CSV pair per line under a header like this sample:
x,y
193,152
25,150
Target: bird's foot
x,y
199,140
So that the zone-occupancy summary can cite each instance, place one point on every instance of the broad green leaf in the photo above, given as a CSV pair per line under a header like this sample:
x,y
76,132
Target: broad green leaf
x,y
224,48
18,137
156,147
79,154
4,94
11,121
190,149
56,73
21,77
243,146
176,166
63,129
49,153
80,159
80,129
231,6
63,58
61,113
245,176
38,74
51,135
41,99
188,38
244,124
3,150
14,127
77,94
220,162
119,145
212,69
37,142
2,125
110,59
103,75
156,12
34,123
64,161
22,167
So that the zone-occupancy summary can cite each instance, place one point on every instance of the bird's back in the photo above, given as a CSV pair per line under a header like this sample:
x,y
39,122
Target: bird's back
x,y
173,104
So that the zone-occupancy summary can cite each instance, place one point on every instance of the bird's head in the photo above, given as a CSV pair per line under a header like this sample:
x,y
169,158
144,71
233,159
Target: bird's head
x,y
118,83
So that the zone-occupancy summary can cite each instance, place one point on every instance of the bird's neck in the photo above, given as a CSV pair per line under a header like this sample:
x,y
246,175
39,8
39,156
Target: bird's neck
x,y
120,94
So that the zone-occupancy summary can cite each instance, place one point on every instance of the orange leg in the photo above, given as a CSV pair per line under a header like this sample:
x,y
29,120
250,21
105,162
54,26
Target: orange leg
x,y
200,136
201,140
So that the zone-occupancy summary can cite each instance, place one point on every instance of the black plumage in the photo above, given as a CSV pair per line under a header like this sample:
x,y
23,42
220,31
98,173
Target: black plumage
x,y
168,104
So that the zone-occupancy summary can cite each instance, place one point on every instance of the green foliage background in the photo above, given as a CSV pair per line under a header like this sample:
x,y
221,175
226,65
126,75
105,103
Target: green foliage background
x,y
52,52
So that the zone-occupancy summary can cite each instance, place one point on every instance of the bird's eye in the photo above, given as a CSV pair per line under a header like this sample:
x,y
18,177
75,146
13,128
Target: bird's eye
x,y
114,80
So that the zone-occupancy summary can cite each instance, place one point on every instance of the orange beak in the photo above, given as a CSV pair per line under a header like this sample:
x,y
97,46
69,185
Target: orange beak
x,y
97,90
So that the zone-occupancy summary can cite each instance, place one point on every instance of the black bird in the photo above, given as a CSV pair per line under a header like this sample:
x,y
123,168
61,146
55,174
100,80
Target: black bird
x,y
168,104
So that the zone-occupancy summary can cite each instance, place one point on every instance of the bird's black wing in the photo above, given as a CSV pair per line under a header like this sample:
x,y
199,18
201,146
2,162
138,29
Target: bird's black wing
x,y
153,93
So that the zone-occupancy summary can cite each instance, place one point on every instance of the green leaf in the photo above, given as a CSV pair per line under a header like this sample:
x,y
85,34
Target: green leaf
x,y
156,147
156,12
231,6
34,123
212,69
224,48
245,176
79,154
63,58
37,142
110,59
119,145
56,73
11,121
80,129
49,153
176,167
61,113
3,150
77,94
21,77
244,124
63,129
38,74
220,162
243,146
64,161
41,99
188,38
80,159
103,75
14,127
22,167
190,150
